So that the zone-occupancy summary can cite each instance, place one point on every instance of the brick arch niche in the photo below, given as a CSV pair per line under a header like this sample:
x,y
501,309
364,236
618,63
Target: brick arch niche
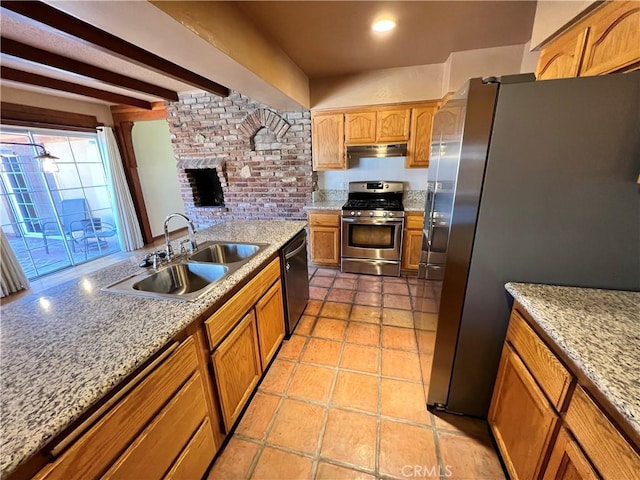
x,y
260,122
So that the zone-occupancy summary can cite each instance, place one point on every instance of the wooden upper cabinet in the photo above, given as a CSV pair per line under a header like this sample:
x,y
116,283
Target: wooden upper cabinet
x,y
562,58
360,128
420,144
393,125
614,39
327,139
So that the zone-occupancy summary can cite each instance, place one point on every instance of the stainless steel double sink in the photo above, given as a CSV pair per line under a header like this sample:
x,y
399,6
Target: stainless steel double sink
x,y
189,278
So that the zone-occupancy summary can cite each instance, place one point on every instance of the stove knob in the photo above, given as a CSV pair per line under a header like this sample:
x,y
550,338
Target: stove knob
x,y
353,214
391,214
371,214
384,214
359,213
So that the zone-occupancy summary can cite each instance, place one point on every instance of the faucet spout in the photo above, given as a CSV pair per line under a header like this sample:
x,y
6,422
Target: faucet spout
x,y
192,233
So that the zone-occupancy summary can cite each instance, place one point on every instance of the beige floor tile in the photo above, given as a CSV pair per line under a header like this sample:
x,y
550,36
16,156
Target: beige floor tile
x,y
366,284
326,471
340,295
426,341
278,375
319,281
363,334
399,338
297,426
311,383
347,283
313,307
404,400
351,438
330,328
336,310
395,288
360,357
305,325
461,424
469,457
235,461
404,447
291,348
397,318
275,464
356,390
400,364
318,293
256,419
365,313
402,302
324,352
368,298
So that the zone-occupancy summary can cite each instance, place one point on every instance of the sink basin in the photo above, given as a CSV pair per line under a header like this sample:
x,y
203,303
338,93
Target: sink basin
x,y
179,281
225,252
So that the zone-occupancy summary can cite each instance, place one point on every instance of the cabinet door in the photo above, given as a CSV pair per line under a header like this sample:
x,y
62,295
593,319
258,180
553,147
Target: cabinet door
x,y
567,462
270,319
360,128
324,243
328,142
393,125
420,144
522,420
196,457
562,57
411,249
236,364
614,39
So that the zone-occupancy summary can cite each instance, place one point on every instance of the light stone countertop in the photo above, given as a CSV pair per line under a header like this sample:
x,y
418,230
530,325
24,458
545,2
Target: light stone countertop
x,y
599,330
63,349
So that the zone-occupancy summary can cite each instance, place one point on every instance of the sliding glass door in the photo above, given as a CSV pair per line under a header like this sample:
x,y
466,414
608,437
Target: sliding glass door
x,y
55,219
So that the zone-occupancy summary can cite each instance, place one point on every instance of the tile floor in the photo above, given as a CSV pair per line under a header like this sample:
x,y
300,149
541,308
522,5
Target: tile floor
x,y
343,398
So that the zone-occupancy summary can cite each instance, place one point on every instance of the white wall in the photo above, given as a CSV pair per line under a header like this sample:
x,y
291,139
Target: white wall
x,y
391,169
157,171
553,16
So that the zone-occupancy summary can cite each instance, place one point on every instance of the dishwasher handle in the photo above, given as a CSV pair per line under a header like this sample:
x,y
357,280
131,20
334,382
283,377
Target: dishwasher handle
x,y
297,250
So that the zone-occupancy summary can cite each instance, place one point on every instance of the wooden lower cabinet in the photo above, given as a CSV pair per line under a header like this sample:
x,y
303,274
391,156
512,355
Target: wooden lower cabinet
x,y
522,420
324,238
269,318
412,241
236,363
145,431
567,462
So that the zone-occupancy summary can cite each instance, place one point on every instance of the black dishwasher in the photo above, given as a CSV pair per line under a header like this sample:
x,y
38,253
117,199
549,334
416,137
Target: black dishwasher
x,y
295,277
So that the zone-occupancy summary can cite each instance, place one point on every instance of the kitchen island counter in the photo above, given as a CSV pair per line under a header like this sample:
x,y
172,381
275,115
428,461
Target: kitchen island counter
x,y
599,332
63,349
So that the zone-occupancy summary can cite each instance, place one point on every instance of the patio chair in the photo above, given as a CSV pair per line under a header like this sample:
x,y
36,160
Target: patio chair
x,y
72,213
95,233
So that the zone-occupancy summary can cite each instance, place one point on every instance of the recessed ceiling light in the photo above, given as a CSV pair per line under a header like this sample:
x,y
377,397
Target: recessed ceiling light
x,y
384,25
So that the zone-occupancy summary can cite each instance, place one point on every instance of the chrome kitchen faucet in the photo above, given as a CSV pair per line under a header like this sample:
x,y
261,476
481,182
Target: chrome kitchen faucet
x,y
192,232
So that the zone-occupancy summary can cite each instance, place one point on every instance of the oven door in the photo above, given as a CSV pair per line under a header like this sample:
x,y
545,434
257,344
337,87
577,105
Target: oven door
x,y
373,238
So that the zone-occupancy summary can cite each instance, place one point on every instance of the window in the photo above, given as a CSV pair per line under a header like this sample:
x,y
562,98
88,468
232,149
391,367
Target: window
x,y
55,220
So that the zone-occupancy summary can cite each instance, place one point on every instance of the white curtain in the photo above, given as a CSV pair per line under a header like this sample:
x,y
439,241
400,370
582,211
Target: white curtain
x,y
126,221
13,277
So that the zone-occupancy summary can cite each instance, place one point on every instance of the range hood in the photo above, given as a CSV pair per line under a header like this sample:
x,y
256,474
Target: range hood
x,y
367,151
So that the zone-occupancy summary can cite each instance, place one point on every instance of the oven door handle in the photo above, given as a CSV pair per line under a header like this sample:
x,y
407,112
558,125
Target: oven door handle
x,y
372,221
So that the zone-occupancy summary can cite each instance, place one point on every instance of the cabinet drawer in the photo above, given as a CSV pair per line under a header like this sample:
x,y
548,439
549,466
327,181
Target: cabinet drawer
x,y
162,441
600,439
549,373
225,318
414,222
325,219
196,457
96,450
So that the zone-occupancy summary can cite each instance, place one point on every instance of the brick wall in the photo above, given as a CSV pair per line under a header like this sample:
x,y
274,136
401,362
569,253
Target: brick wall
x,y
268,175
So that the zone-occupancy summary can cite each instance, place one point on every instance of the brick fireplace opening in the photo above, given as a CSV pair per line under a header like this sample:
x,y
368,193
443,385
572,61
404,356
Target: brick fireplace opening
x,y
205,186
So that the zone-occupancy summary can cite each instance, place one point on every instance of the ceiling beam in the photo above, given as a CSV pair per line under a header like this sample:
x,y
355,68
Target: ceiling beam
x,y
8,73
33,54
54,18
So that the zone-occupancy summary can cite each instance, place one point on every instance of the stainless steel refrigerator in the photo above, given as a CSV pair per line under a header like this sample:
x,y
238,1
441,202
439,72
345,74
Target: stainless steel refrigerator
x,y
529,181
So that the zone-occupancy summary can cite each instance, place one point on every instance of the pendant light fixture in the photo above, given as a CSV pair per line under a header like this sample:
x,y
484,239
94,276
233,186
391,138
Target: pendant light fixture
x,y
48,162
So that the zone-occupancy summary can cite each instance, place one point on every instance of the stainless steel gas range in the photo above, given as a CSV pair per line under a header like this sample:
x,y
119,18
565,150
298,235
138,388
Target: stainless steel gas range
x,y
372,226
